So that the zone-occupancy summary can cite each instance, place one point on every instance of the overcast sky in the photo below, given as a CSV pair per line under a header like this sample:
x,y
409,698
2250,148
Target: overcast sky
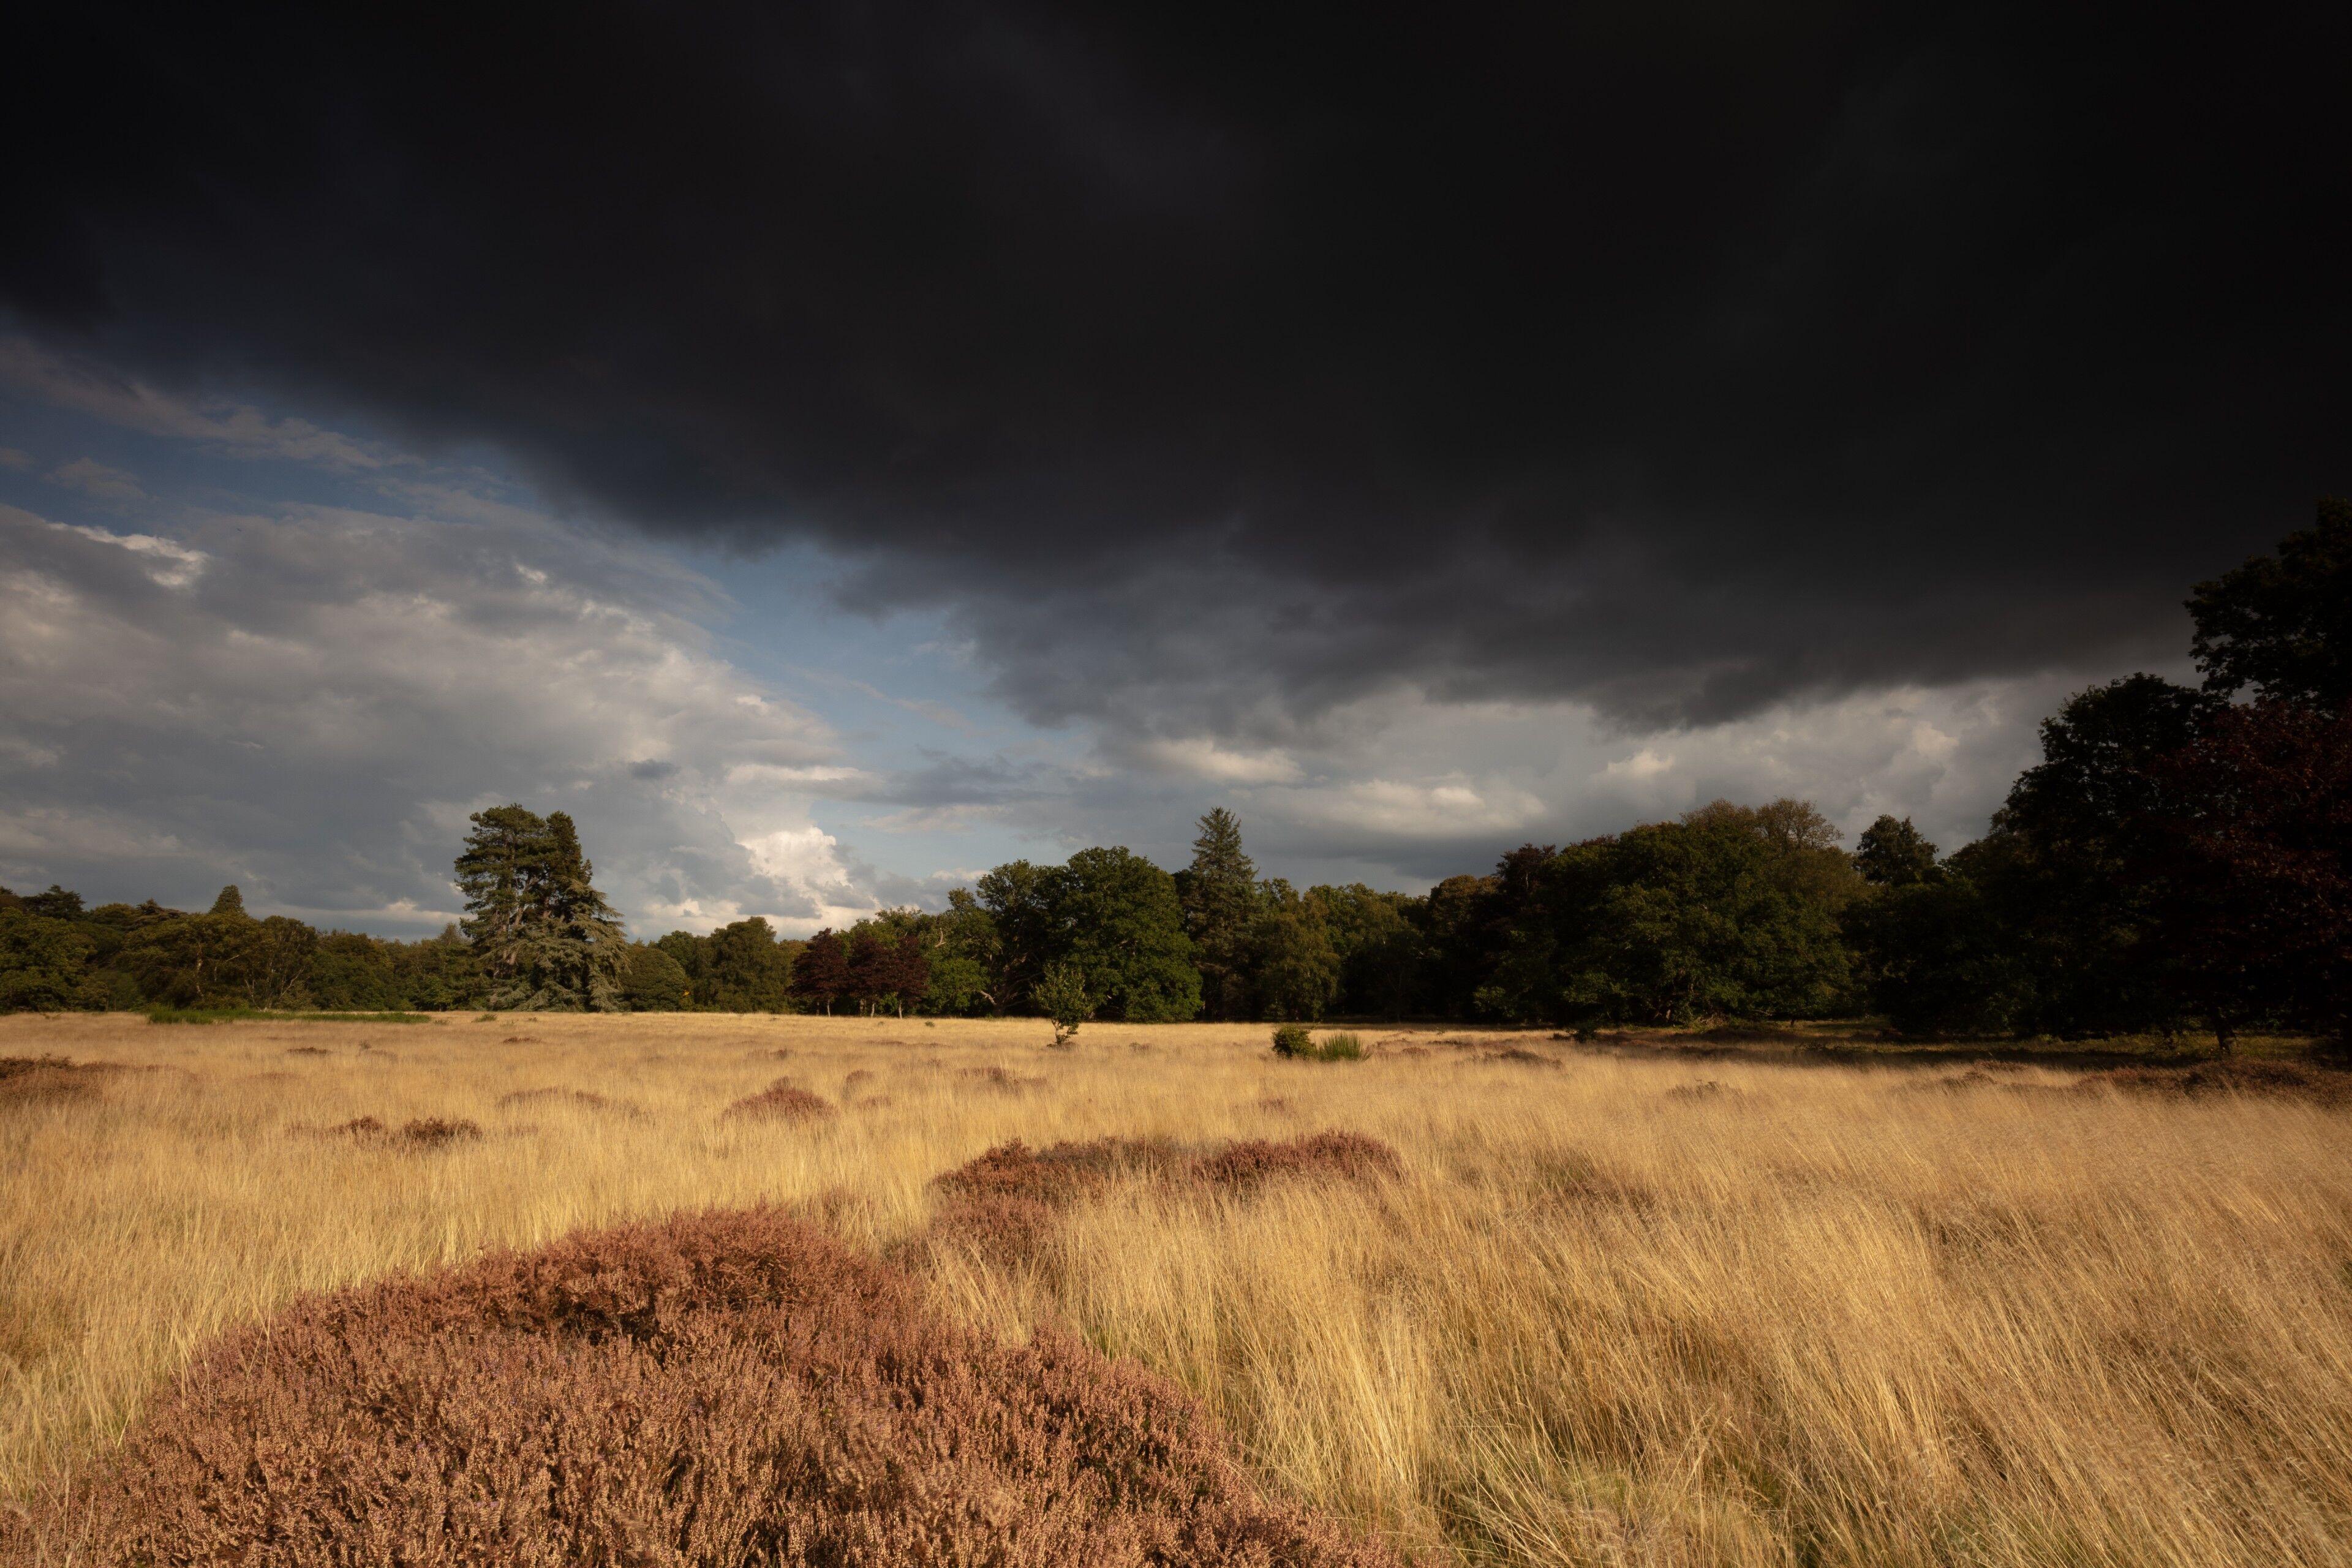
x,y
831,449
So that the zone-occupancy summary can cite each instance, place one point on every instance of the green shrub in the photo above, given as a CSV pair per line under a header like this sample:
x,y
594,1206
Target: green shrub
x,y
1062,996
1299,1042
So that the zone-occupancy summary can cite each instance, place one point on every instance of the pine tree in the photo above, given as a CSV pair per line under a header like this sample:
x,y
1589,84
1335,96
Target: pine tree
x,y
231,903
1220,899
546,937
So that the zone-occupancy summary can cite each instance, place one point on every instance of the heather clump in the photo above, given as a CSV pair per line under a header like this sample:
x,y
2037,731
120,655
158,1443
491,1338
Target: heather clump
x,y
723,1388
1000,1078
424,1132
27,1079
1003,1204
1347,1156
781,1100
576,1099
439,1132
2280,1079
1059,1174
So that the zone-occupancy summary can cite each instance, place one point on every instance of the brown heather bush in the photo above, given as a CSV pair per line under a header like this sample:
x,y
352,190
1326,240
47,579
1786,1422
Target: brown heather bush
x,y
426,1132
1524,1057
999,1078
21,1067
308,1051
1061,1174
580,1099
1002,1205
781,1100
1348,1156
26,1080
2284,1079
435,1133
727,1388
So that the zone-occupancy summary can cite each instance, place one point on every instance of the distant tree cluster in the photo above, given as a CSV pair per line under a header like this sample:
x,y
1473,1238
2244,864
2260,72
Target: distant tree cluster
x,y
55,954
2178,855
2178,858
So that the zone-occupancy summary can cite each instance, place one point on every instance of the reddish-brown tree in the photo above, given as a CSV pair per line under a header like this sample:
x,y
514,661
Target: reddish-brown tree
x,y
821,974
2255,863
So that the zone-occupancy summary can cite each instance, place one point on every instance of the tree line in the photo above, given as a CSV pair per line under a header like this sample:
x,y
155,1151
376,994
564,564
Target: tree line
x,y
2181,857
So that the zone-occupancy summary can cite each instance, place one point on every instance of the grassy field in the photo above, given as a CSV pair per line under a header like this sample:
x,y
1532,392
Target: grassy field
x,y
1630,1308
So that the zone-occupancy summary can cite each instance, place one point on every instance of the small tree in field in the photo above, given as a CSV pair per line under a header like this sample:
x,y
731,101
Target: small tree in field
x,y
1062,996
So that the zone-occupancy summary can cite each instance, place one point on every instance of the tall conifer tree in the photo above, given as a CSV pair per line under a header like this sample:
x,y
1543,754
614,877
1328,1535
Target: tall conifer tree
x,y
546,937
1220,897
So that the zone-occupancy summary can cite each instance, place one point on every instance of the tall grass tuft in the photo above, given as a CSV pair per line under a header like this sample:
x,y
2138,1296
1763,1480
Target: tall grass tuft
x,y
1297,1042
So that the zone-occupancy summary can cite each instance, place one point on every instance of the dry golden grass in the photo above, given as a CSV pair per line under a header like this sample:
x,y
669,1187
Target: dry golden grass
x,y
1813,1315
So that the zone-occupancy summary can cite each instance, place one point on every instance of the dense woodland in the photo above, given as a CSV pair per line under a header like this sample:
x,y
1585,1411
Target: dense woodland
x,y
2181,859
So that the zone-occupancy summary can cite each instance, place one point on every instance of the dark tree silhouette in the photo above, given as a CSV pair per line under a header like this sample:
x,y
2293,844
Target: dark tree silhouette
x,y
1893,854
2282,624
2255,869
821,975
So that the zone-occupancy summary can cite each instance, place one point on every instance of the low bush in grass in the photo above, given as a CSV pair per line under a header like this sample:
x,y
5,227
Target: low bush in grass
x,y
425,1133
720,1388
26,1080
1297,1042
258,1015
781,1100
1004,1204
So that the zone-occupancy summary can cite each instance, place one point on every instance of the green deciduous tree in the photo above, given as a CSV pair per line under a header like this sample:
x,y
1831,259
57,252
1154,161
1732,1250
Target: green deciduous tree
x,y
1022,932
1118,920
42,963
1893,854
744,970
2281,625
56,904
1669,923
1292,970
654,982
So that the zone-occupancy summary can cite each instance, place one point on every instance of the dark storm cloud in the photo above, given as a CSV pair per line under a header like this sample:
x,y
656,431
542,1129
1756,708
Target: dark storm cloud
x,y
1216,364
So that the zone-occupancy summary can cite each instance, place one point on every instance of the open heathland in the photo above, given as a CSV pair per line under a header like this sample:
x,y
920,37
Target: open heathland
x,y
1475,1296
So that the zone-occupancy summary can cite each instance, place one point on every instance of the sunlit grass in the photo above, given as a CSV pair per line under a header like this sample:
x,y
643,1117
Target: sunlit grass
x,y
1610,1314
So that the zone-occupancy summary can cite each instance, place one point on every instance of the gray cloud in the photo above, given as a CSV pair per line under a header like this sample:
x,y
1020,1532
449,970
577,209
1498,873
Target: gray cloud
x,y
1676,364
309,703
96,479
